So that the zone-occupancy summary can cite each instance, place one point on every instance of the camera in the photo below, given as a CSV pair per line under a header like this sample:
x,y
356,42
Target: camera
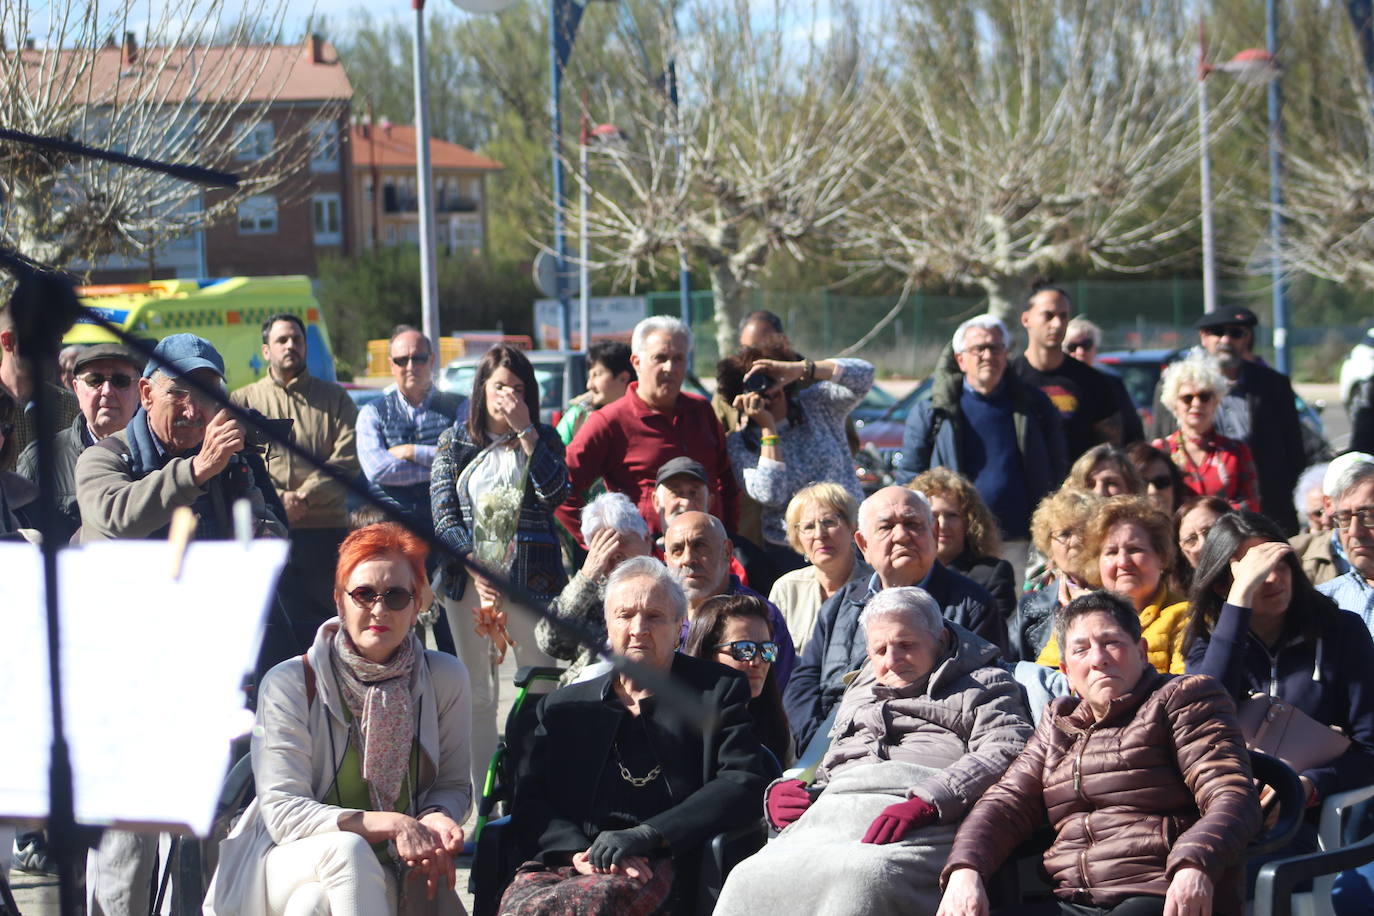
x,y
758,383
254,440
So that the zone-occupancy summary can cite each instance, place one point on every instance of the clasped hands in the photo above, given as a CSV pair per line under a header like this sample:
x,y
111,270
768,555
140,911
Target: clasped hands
x,y
620,852
427,846
789,799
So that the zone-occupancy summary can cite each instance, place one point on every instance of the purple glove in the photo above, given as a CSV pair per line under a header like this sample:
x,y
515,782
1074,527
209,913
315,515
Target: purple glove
x,y
897,820
787,801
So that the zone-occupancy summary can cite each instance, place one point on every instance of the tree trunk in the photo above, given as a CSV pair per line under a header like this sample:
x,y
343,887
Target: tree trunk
x,y
1005,296
727,291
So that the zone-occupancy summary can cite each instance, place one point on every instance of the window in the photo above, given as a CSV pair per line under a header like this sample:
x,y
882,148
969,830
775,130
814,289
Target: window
x,y
258,215
328,225
324,147
467,234
255,141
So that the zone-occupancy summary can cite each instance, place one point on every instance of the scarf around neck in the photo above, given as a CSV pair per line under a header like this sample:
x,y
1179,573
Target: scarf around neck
x,y
378,696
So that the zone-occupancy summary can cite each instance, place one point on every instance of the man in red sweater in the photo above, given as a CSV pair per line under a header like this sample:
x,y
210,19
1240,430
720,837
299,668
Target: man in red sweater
x,y
627,441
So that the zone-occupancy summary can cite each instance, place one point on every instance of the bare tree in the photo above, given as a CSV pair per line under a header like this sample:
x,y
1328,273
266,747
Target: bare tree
x,y
1036,135
771,143
186,86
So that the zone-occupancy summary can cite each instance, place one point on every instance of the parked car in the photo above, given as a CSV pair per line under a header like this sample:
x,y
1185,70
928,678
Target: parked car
x,y
363,395
880,438
560,374
1357,367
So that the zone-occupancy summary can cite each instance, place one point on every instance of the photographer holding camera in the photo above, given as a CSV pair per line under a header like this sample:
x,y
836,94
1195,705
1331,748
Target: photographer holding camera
x,y
790,436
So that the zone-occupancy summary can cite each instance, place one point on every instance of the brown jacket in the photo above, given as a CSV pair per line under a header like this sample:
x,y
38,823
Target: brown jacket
x,y
1162,782
325,423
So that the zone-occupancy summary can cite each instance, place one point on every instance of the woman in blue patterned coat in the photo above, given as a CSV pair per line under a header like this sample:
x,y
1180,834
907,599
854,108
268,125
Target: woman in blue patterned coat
x,y
500,450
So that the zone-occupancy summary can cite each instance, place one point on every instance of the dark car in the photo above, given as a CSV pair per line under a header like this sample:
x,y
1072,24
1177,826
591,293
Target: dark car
x,y
880,438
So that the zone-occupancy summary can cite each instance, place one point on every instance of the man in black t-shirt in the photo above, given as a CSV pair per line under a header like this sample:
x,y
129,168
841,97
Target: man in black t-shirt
x,y
1084,398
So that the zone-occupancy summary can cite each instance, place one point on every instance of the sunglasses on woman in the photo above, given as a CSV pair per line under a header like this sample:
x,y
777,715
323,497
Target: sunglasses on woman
x,y
744,650
395,598
1202,397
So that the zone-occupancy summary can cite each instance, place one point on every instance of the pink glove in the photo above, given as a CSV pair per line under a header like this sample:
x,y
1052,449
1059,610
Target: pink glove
x,y
897,820
787,801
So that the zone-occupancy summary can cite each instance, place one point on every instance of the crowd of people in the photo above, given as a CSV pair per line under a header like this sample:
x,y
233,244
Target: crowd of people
x,y
1053,620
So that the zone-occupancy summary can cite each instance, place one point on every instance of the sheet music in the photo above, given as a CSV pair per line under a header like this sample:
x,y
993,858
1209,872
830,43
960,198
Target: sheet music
x,y
151,673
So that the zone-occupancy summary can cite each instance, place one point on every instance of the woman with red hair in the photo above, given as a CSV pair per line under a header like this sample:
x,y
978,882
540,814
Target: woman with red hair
x,y
360,757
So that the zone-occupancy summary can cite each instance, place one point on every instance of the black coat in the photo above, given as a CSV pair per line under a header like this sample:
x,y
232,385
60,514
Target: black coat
x,y
1275,440
995,575
719,776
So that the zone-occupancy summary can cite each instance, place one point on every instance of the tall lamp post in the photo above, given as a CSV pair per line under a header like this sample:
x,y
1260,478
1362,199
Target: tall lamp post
x,y
424,180
1251,65
589,136
1276,190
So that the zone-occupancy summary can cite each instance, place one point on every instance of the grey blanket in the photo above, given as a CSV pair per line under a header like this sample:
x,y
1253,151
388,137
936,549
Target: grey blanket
x,y
818,864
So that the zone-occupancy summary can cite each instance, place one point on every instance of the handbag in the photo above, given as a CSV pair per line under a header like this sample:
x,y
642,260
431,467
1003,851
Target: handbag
x,y
1282,730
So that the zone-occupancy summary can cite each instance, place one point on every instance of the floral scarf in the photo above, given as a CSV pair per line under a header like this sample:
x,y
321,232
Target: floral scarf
x,y
378,696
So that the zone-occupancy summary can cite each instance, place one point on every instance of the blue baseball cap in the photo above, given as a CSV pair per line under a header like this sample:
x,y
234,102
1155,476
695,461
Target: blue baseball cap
x,y
182,354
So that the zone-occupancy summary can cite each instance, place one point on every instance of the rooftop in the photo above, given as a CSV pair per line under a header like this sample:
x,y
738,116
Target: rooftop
x,y
393,146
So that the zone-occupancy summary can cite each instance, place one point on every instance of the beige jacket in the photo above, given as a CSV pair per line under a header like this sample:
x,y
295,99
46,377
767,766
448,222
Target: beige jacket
x,y
325,423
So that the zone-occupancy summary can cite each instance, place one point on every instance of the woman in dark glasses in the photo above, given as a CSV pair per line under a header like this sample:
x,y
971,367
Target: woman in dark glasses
x,y
1164,486
1211,464
736,631
360,757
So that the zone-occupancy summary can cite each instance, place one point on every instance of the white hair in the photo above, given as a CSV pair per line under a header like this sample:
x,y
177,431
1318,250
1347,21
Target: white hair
x,y
910,603
1311,479
659,324
912,496
1199,369
1078,326
987,322
648,568
1350,476
614,511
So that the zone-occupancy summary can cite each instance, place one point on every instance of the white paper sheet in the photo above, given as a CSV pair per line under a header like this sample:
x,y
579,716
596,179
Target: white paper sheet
x,y
151,673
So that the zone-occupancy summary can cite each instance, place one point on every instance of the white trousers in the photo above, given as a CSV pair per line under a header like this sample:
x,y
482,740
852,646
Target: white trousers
x,y
119,873
337,874
476,653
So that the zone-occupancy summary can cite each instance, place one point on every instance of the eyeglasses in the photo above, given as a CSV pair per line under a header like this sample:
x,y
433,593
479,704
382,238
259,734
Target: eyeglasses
x,y
418,359
117,379
1233,331
986,349
1085,344
811,529
744,650
182,395
1342,518
395,598
1162,482
1202,397
1066,537
1196,538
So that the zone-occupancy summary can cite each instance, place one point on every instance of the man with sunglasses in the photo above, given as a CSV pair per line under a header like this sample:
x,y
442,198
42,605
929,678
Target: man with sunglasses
x,y
1259,410
105,380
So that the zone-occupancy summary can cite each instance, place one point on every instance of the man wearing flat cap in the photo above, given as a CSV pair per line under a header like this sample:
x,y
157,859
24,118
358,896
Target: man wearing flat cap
x,y
178,449
1260,410
105,380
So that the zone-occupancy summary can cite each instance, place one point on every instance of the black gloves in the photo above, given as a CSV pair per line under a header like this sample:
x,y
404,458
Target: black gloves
x,y
610,846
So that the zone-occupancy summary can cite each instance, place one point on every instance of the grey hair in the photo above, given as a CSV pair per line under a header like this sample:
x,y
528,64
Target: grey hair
x,y
659,324
1310,479
160,374
1354,474
1078,326
1201,369
648,568
988,322
916,496
614,511
909,603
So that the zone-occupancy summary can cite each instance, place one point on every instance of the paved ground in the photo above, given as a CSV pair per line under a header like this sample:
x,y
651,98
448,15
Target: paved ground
x,y
37,896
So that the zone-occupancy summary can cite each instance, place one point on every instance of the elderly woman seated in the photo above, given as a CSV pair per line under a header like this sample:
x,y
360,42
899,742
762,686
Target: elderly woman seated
x,y
1143,776
615,532
360,757
621,789
926,726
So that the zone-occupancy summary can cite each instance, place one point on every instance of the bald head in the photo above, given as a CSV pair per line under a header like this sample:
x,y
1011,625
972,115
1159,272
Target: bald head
x,y
698,550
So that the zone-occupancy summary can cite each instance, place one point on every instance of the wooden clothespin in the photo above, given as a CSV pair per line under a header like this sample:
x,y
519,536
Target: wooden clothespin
x,y
179,534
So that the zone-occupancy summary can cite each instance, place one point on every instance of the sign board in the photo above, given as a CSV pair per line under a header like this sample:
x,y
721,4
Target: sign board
x,y
613,318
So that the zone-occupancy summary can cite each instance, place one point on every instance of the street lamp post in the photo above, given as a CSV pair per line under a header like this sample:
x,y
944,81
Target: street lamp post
x,y
1276,192
602,133
424,179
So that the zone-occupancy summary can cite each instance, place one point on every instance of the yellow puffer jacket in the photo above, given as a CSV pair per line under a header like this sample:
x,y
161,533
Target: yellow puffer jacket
x,y
1162,623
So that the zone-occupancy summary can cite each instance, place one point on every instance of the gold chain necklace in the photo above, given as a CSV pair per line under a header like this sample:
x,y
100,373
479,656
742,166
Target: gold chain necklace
x,y
638,782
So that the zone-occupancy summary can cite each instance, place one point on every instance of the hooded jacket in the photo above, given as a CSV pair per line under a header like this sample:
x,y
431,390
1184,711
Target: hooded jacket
x,y
1161,782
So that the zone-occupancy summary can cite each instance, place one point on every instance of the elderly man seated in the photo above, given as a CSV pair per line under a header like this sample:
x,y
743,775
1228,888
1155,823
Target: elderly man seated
x,y
897,538
926,726
697,549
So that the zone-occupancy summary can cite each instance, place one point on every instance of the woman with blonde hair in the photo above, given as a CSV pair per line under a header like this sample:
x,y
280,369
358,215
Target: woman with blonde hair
x,y
1057,529
966,536
1212,464
1107,471
1129,550
820,520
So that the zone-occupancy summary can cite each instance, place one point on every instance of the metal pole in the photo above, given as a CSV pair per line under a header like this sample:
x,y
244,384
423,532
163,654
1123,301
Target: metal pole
x,y
1276,192
584,271
560,233
1209,278
429,275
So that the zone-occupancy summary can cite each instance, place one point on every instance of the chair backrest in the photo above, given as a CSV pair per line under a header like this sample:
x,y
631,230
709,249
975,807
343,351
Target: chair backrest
x,y
1291,801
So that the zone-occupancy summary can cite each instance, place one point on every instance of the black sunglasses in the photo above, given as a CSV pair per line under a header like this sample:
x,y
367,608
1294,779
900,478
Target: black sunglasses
x,y
418,359
1202,397
395,598
117,379
1085,344
744,650
1233,331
